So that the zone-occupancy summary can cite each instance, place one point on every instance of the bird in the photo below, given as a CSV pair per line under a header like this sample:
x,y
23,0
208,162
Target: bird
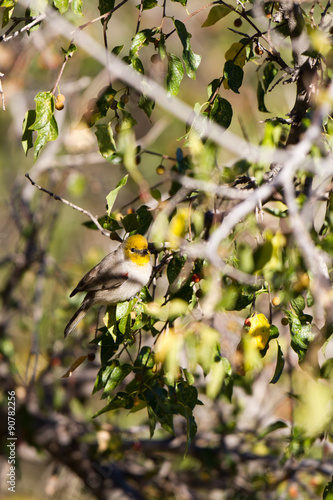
x,y
117,278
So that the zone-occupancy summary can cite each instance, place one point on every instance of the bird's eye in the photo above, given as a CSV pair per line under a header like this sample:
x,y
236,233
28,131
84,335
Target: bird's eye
x,y
132,249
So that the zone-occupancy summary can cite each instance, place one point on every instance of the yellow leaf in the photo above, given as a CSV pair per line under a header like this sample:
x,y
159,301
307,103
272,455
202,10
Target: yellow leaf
x,y
73,366
236,48
259,330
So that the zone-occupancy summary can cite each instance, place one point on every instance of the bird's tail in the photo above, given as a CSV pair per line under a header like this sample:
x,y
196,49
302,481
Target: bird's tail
x,y
75,320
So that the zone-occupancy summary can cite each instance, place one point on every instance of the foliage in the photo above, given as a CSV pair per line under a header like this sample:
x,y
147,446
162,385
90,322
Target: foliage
x,y
229,235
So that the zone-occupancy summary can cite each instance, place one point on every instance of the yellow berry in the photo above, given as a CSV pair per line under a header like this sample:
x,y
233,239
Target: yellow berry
x,y
61,98
160,170
276,301
59,105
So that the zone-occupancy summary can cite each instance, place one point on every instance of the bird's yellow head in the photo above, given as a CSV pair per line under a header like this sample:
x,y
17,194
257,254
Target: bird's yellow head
x,y
136,249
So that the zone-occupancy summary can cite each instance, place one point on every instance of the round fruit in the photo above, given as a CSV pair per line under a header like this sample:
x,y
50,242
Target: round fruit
x,y
130,210
247,322
124,98
61,98
196,278
276,301
238,23
59,105
155,58
284,321
160,170
258,50
114,104
91,356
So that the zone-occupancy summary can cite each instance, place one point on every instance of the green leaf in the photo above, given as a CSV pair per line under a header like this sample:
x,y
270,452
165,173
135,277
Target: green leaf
x,y
44,110
262,255
137,65
191,60
221,112
261,98
174,267
147,4
146,104
130,223
121,400
328,491
127,120
45,134
105,140
145,358
279,424
270,72
215,14
301,333
107,222
298,305
115,378
183,2
145,218
29,119
103,375
61,5
7,13
111,197
140,40
77,7
70,51
279,365
234,75
174,75
117,49
105,99
105,6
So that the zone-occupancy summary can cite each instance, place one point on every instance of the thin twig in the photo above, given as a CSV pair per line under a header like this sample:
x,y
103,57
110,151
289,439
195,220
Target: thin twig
x,y
38,19
75,207
2,93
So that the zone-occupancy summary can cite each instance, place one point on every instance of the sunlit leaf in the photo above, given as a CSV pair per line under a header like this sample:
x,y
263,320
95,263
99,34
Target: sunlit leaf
x,y
111,197
215,14
175,74
190,59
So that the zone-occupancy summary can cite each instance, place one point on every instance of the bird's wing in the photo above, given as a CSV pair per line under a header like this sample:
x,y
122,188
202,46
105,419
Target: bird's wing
x,y
103,276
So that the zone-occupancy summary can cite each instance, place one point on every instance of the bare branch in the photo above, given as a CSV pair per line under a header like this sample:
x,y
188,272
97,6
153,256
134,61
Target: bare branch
x,y
75,207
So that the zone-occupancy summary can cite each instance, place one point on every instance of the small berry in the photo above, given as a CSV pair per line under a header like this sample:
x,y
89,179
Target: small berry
x,y
59,105
276,301
238,23
284,321
247,322
61,98
199,294
130,210
114,104
124,98
196,278
91,356
155,58
160,170
258,50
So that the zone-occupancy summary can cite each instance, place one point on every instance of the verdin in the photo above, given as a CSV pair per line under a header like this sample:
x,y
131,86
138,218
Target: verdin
x,y
118,277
